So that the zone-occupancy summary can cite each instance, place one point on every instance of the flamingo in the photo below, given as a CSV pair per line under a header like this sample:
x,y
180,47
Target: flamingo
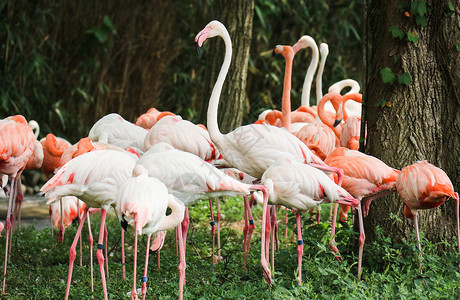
x,y
189,179
250,148
63,212
53,148
182,135
115,130
18,149
424,186
301,187
141,203
366,178
95,178
149,119
353,108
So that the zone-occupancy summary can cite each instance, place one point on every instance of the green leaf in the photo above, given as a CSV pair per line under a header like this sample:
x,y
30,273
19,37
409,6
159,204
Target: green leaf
x,y
458,47
418,8
451,6
396,32
381,103
420,20
395,58
387,75
412,36
405,79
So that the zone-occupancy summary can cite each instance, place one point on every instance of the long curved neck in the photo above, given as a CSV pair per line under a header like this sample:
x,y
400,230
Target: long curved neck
x,y
286,104
176,216
309,77
319,79
358,97
323,115
213,126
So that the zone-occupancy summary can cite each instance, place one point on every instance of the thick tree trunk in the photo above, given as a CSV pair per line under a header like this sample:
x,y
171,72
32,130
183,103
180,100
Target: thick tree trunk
x,y
237,16
423,120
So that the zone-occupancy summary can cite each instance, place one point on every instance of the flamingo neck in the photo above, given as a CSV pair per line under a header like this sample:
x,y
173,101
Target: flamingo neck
x,y
319,79
213,126
310,73
321,113
358,97
286,102
176,216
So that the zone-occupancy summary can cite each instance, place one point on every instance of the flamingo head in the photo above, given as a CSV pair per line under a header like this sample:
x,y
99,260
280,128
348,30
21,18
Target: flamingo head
x,y
286,51
339,115
324,49
211,30
304,42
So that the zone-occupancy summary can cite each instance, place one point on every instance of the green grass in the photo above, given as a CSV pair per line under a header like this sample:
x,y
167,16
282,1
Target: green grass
x,y
39,264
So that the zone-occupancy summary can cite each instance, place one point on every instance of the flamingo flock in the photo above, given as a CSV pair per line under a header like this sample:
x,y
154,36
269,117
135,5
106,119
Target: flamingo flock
x,y
296,159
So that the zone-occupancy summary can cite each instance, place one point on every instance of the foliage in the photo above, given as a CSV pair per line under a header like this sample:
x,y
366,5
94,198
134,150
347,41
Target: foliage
x,y
68,63
38,267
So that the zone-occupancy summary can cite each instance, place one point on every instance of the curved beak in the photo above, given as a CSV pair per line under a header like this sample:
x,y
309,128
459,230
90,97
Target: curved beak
x,y
337,122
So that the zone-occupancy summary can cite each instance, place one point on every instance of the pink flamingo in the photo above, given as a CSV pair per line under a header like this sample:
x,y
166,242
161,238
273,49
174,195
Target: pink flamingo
x,y
424,186
182,135
113,129
189,179
18,149
251,148
301,187
353,108
95,178
53,148
141,203
150,118
366,178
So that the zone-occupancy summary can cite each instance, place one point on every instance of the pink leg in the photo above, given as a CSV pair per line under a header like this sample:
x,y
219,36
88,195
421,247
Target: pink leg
x,y
273,236
361,239
219,216
182,251
134,291
8,228
251,225
265,222
213,231
79,220
318,215
333,246
185,223
245,230
99,255
330,169
145,278
419,255
285,223
61,225
106,233
123,253
182,263
90,240
73,254
19,200
299,246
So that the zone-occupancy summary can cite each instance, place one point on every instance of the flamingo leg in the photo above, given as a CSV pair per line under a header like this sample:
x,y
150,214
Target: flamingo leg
x,y
106,233
213,231
219,216
251,225
61,225
419,255
273,236
134,292
99,255
333,246
458,224
19,200
182,263
361,239
8,228
245,230
285,223
123,253
318,214
145,278
299,246
265,230
73,254
90,240
79,220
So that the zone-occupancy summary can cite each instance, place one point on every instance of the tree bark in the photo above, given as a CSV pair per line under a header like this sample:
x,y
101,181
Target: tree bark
x,y
237,16
423,120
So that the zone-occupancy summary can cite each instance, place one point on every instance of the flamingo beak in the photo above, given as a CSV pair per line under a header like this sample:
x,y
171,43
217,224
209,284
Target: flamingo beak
x,y
337,122
124,223
201,37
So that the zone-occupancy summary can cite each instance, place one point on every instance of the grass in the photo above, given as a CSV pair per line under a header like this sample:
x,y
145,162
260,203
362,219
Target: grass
x,y
39,265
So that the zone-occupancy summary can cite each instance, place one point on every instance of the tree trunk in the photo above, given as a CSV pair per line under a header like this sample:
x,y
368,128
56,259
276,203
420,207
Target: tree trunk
x,y
420,121
237,16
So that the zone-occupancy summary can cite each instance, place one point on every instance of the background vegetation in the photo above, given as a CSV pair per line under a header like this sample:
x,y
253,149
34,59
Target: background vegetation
x,y
68,63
